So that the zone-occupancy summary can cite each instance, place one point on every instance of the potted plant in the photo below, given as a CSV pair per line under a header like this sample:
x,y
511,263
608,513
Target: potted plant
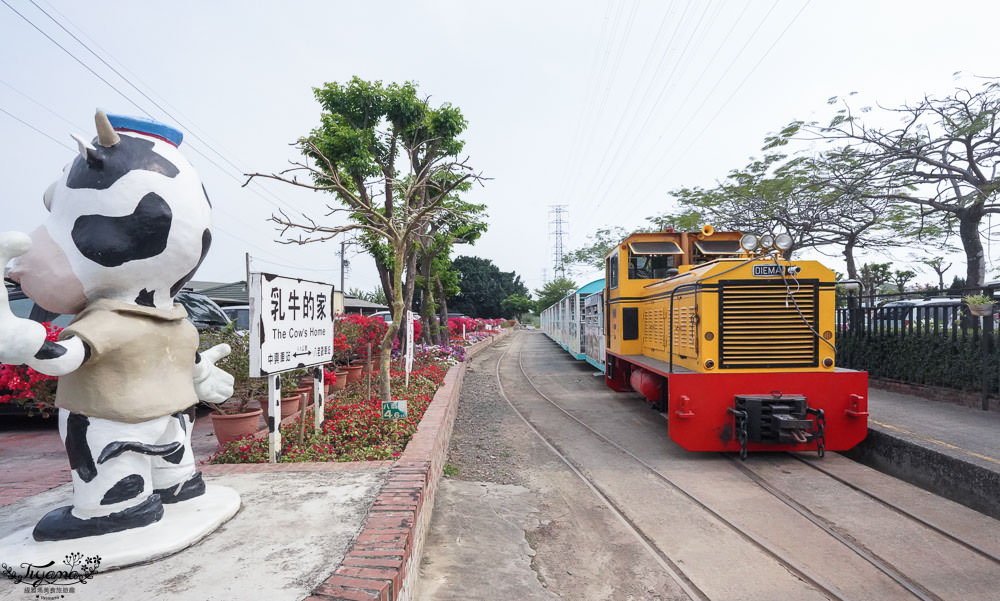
x,y
979,305
291,394
236,417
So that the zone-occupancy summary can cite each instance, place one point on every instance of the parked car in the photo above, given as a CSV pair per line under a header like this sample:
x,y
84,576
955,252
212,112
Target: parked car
x,y
386,316
201,310
939,311
240,314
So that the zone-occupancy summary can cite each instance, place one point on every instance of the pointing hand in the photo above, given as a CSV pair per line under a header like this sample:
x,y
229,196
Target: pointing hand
x,y
20,338
212,384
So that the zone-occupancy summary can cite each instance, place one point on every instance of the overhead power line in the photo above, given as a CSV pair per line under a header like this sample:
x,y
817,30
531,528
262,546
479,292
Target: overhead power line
x,y
35,129
240,179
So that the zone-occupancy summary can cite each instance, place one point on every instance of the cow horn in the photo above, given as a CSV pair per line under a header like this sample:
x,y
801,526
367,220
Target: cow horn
x,y
106,135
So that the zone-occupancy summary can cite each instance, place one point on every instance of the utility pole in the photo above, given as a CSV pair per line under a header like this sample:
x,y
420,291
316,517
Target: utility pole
x,y
557,231
343,243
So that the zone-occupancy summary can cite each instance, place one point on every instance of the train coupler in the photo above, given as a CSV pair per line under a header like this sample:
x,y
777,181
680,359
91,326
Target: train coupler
x,y
777,419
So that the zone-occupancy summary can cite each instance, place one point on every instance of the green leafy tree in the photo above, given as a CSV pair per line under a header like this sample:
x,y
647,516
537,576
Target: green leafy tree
x,y
901,277
391,161
483,287
600,244
817,200
376,295
464,224
874,275
553,292
937,264
516,305
943,158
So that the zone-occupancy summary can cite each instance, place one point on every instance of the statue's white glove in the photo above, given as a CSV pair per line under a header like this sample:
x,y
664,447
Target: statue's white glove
x,y
20,338
212,384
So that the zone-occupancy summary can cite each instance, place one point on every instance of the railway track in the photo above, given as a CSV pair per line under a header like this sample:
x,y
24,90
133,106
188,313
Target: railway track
x,y
908,585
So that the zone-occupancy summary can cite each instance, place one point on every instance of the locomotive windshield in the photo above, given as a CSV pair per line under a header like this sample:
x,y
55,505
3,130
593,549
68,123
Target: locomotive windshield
x,y
647,267
652,260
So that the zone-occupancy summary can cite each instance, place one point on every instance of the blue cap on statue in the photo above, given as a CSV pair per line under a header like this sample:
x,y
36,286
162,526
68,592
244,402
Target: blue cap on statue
x,y
146,127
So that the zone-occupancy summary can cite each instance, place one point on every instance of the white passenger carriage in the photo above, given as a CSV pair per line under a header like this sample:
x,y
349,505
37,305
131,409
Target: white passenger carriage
x,y
577,323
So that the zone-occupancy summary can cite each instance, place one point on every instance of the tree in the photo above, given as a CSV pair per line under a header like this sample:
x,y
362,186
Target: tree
x,y
937,264
516,305
900,278
944,158
553,292
601,243
391,160
873,275
817,200
483,287
376,295
462,226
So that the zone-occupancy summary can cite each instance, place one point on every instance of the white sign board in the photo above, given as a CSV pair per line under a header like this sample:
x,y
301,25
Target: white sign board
x,y
291,324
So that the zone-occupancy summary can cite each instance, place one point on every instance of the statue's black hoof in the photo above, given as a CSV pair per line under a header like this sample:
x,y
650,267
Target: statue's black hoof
x,y
61,524
194,487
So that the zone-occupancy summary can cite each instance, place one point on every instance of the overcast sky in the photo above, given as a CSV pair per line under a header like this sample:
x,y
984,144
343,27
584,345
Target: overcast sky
x,y
599,106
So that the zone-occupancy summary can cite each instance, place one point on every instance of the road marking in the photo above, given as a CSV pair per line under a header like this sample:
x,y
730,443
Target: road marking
x,y
935,441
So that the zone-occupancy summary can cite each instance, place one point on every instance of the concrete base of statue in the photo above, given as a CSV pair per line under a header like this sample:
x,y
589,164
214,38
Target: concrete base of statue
x,y
182,525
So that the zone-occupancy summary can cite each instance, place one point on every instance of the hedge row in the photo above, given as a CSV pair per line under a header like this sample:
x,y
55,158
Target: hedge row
x,y
930,359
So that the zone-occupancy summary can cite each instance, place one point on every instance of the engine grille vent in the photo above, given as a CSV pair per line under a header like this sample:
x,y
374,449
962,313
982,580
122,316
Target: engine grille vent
x,y
760,328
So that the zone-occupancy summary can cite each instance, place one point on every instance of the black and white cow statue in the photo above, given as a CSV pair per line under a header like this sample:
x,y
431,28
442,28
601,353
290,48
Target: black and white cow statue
x,y
128,226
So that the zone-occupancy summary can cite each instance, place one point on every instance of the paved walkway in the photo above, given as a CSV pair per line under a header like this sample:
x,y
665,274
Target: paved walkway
x,y
972,434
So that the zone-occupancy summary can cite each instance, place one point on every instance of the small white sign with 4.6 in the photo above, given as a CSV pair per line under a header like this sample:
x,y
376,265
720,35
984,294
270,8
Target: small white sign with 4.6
x,y
393,409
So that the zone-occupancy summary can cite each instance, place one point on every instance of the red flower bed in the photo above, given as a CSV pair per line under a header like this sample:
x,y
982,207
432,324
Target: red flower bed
x,y
20,382
356,332
353,428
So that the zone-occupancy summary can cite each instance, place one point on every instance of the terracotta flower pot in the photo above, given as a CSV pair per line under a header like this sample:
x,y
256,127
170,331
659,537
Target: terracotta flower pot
x,y
376,361
354,373
306,390
341,382
289,406
233,426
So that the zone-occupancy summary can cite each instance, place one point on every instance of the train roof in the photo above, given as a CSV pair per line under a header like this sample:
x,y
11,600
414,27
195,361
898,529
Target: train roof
x,y
590,288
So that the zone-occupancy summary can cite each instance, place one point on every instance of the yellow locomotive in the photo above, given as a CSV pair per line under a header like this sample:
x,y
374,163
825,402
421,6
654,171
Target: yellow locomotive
x,y
733,341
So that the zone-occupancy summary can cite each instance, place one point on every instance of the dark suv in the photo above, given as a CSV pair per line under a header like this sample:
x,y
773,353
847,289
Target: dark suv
x,y
201,310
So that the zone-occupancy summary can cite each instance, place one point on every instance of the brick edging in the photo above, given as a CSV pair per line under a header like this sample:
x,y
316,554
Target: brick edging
x,y
383,562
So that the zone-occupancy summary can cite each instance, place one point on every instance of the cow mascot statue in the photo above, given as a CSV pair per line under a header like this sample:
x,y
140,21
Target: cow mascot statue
x,y
128,226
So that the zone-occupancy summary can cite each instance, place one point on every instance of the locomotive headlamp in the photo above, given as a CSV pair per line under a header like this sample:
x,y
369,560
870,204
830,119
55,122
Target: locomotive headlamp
x,y
748,242
767,241
783,241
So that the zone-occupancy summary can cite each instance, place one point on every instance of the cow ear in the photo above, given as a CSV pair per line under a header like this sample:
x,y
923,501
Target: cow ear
x,y
88,152
84,146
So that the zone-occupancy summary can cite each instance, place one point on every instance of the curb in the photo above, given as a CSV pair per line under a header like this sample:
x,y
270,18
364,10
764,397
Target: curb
x,y
959,479
383,562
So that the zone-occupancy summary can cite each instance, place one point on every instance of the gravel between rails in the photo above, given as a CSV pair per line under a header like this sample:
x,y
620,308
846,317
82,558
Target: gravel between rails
x,y
478,451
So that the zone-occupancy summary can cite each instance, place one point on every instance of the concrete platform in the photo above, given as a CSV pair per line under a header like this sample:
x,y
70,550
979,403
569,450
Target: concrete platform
x,y
949,449
293,529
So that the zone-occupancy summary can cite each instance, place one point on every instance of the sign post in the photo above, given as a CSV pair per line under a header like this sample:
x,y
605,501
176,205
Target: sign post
x,y
291,327
409,345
